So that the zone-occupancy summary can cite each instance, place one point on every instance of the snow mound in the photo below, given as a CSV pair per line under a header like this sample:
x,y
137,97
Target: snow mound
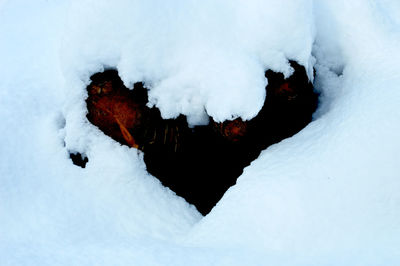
x,y
327,196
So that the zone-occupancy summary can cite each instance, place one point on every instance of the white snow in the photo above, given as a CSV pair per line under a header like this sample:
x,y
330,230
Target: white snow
x,y
330,195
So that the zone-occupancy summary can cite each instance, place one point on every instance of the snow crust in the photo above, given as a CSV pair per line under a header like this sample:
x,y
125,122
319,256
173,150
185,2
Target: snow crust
x,y
330,195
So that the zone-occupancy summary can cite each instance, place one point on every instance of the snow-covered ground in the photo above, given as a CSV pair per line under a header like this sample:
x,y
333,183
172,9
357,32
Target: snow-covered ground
x,y
330,195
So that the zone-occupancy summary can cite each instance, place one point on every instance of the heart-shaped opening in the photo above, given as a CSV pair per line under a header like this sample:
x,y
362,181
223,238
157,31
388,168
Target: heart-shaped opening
x,y
200,163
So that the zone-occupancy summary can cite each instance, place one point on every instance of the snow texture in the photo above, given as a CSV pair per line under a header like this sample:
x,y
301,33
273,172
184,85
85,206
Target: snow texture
x,y
330,195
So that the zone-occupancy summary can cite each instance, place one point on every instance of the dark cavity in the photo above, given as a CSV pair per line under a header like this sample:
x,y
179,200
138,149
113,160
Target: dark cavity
x,y
78,159
200,163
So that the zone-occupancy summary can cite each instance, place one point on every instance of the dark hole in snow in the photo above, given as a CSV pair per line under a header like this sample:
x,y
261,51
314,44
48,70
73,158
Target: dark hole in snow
x,y
199,163
78,159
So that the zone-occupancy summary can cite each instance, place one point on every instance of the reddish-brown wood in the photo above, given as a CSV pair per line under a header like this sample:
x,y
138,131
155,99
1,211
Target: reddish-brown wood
x,y
232,130
114,112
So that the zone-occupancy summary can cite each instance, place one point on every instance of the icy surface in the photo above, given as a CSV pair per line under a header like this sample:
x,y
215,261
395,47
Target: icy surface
x,y
330,195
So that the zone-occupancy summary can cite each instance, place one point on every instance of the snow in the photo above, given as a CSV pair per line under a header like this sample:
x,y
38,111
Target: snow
x,y
190,54
327,196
